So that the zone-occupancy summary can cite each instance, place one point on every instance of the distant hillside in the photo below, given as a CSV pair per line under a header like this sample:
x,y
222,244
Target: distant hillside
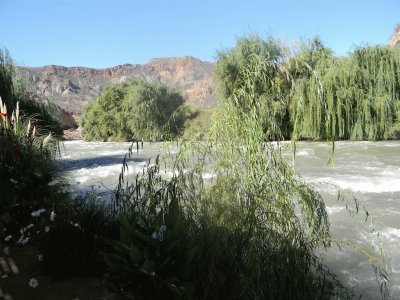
x,y
395,38
72,88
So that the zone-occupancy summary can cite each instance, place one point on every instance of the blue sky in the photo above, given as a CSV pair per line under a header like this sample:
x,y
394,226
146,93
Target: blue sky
x,y
104,33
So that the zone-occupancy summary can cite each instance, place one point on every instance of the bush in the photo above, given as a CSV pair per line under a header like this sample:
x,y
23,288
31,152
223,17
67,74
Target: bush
x,y
198,121
29,177
134,111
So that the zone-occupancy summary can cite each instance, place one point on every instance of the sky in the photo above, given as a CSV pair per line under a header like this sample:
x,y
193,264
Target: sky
x,y
106,33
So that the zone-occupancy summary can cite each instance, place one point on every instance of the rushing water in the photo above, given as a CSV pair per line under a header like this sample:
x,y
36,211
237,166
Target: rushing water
x,y
368,170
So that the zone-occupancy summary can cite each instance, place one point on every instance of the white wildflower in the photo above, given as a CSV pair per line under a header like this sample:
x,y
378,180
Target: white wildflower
x,y
52,216
23,240
163,228
33,283
8,238
47,229
29,226
38,212
161,232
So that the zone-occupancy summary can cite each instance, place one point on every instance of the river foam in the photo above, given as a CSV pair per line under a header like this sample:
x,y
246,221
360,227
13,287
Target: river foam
x,y
369,170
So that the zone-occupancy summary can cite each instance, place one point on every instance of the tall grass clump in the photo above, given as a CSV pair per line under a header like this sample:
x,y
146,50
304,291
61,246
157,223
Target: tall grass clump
x,y
27,169
248,233
14,90
29,177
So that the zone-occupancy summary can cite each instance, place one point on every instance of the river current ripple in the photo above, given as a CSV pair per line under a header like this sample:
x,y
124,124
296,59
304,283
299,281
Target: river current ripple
x,y
368,170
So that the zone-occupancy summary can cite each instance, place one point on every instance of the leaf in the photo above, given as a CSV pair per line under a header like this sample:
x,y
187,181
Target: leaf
x,y
117,245
113,261
134,254
147,239
148,267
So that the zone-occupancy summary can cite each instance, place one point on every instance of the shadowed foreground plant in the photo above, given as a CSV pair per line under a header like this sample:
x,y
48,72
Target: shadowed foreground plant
x,y
29,178
255,228
75,239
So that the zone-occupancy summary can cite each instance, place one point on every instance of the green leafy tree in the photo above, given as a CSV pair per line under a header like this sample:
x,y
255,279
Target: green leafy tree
x,y
261,58
247,53
357,94
310,56
134,111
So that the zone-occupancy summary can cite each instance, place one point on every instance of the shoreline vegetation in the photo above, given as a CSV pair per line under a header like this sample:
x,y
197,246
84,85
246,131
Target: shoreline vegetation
x,y
358,94
252,232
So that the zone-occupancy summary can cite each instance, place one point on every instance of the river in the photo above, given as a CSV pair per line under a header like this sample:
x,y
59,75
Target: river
x,y
368,170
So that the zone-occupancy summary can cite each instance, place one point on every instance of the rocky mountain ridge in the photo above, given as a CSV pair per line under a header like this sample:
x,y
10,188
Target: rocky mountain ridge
x,y
71,88
395,38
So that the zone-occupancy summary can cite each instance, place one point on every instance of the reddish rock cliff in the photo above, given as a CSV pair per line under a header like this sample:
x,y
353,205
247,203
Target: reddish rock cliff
x,y
72,88
395,38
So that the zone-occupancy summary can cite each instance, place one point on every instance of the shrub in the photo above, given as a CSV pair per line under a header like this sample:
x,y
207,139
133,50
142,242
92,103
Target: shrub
x,y
29,177
134,111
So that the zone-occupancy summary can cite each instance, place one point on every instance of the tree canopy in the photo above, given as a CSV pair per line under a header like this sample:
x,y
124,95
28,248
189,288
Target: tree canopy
x,y
135,110
310,93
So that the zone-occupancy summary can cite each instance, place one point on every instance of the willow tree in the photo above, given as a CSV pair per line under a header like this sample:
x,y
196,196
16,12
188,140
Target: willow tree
x,y
248,233
359,94
272,82
308,56
134,111
251,230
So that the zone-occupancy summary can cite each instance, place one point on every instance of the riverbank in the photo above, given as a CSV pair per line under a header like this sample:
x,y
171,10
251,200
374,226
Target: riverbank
x,y
72,134
22,279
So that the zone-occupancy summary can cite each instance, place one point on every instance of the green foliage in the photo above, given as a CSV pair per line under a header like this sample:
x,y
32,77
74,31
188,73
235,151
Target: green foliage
x,y
272,84
41,113
252,230
309,56
29,177
303,92
247,52
249,233
12,91
358,94
7,74
198,121
134,111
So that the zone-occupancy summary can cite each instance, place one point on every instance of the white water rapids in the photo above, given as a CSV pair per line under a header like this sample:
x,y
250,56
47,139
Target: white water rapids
x,y
368,170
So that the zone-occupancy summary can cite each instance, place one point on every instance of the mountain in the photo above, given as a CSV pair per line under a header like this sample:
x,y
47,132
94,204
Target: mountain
x,y
395,38
71,88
